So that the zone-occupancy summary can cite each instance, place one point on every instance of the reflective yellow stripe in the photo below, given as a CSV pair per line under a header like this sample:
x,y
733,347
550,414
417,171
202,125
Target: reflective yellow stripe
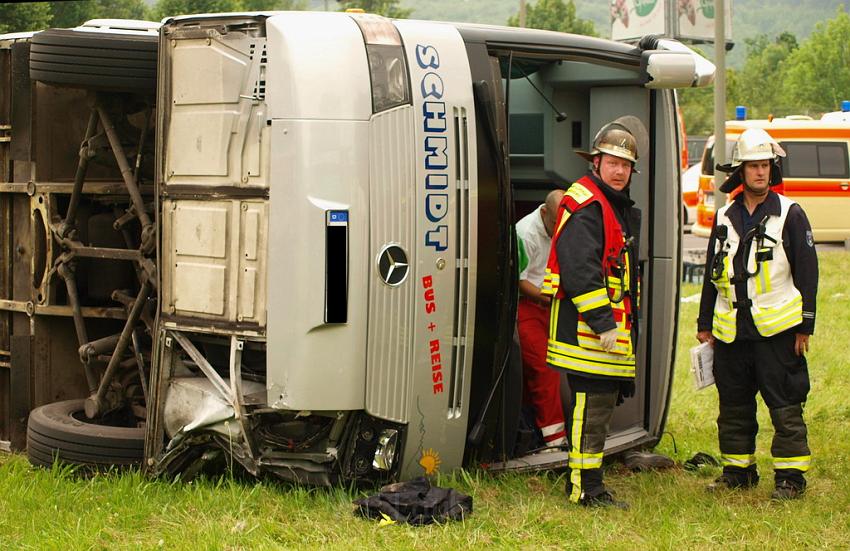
x,y
579,193
779,326
588,339
584,366
763,281
575,444
562,348
723,284
622,332
585,460
618,287
628,274
774,312
553,318
575,478
551,282
770,321
565,215
622,346
591,300
737,460
800,463
723,326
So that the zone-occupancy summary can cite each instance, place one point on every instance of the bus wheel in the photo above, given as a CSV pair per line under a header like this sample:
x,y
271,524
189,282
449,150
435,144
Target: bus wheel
x,y
59,432
95,60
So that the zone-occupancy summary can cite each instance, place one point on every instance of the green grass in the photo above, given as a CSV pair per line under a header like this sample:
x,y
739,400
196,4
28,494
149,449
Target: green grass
x,y
54,509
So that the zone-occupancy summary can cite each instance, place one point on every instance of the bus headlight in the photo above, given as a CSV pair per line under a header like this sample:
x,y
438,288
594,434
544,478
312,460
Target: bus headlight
x,y
387,65
390,85
385,452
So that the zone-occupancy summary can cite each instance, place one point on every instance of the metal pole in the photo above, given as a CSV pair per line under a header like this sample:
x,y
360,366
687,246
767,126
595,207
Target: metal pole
x,y
719,99
522,13
148,230
94,404
67,273
86,153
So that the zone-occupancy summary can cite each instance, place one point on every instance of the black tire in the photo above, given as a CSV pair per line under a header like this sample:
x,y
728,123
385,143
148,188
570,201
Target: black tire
x,y
102,61
59,432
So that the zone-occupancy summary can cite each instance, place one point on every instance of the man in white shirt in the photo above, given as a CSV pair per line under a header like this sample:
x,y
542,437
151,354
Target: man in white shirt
x,y
542,384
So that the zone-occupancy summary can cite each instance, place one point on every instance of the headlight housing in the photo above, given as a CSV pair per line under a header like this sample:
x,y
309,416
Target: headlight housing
x,y
387,64
386,450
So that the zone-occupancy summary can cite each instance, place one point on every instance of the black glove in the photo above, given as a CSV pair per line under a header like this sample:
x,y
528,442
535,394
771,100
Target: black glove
x,y
627,390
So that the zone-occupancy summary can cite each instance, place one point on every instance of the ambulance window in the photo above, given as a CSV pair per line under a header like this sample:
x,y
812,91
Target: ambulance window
x,y
815,160
832,160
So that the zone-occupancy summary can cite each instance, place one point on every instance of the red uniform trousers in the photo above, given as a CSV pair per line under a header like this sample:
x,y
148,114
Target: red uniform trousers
x,y
541,383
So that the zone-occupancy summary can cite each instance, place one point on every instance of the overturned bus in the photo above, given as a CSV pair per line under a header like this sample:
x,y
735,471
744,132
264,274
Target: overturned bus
x,y
286,239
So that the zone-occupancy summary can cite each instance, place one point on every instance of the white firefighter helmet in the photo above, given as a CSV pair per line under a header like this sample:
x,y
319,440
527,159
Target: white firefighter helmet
x,y
754,144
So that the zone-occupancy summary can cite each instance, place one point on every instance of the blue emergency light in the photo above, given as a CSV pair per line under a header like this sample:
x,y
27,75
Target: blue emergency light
x,y
845,106
740,113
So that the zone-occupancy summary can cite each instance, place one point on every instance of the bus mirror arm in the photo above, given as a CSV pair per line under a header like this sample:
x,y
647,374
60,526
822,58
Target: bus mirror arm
x,y
560,116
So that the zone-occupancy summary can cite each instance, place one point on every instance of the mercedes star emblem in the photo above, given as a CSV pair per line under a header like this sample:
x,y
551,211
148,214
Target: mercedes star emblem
x,y
393,265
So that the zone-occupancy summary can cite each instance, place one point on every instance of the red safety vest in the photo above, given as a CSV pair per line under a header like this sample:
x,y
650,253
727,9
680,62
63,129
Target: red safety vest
x,y
585,354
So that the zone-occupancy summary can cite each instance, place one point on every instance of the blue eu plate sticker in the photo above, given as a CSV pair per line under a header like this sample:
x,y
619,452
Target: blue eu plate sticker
x,y
337,217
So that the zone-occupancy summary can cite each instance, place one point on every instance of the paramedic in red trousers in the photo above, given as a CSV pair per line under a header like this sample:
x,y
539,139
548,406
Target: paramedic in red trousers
x,y
758,309
541,383
592,276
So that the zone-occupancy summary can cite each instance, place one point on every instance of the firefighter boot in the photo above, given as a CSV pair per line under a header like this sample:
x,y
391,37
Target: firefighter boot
x,y
786,490
790,450
736,429
597,495
735,478
590,420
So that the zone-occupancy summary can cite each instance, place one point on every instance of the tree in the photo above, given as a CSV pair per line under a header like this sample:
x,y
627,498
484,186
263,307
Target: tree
x,y
71,14
758,84
25,16
387,8
697,105
817,75
555,15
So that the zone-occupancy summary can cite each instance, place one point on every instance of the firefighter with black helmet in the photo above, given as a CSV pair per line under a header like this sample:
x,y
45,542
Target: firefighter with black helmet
x,y
592,276
758,310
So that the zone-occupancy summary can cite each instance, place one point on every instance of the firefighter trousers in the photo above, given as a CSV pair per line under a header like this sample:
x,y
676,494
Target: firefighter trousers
x,y
541,383
770,367
592,404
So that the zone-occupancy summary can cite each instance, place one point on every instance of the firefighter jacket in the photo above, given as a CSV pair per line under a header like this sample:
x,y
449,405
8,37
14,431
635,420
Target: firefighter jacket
x,y
593,280
761,272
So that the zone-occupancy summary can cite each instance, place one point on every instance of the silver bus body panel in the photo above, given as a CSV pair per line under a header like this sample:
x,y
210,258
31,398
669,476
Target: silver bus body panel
x,y
444,269
390,363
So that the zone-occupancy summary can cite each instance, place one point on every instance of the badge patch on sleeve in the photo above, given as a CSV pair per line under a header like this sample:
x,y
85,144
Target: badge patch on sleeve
x,y
810,240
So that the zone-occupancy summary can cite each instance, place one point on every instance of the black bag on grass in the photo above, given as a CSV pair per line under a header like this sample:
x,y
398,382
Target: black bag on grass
x,y
415,502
